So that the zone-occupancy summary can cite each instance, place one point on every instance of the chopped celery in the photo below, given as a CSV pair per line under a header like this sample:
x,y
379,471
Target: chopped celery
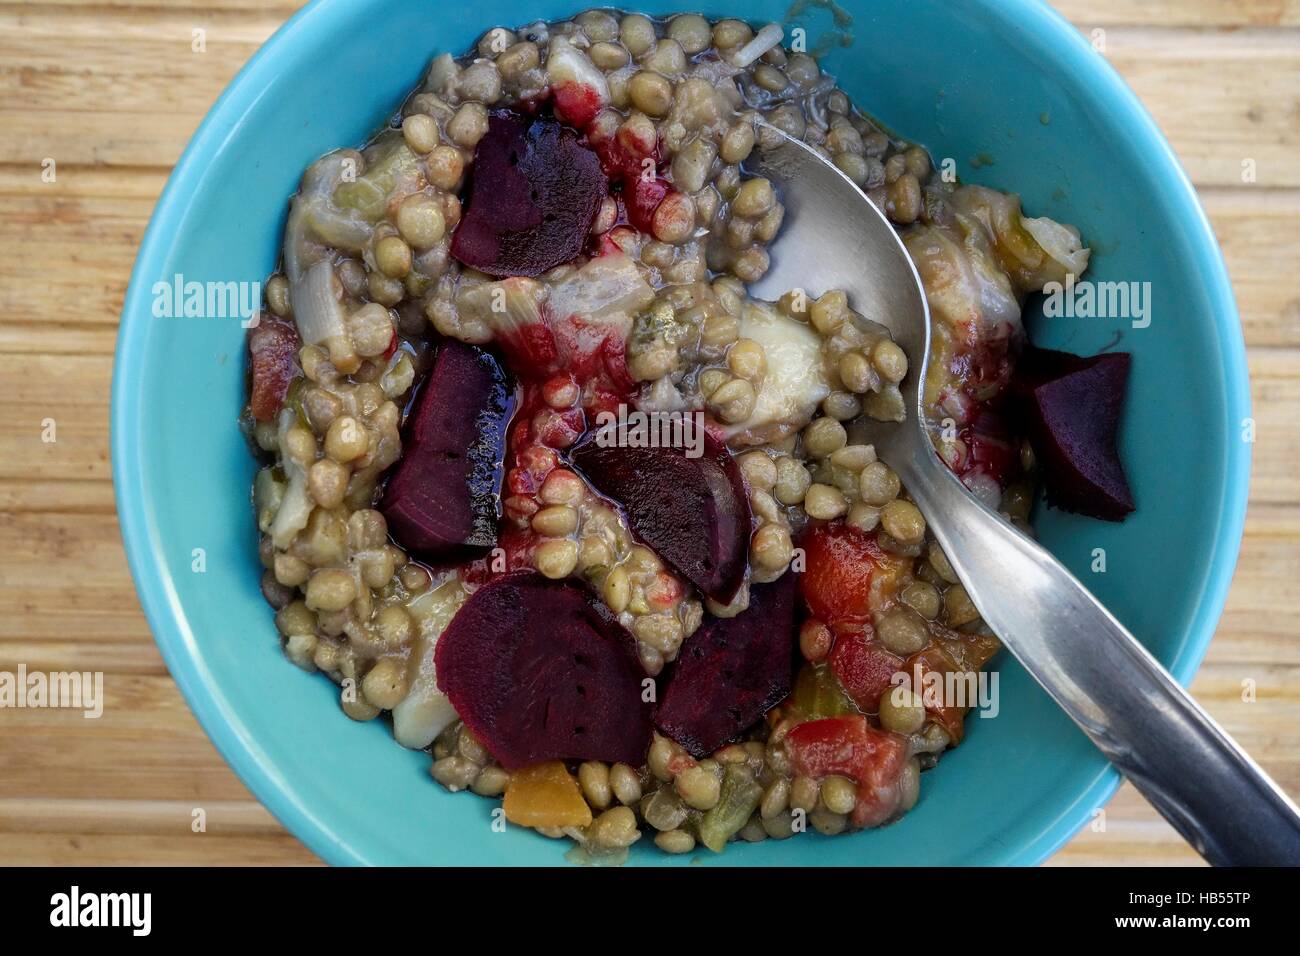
x,y
316,308
295,508
508,306
739,798
658,326
608,289
296,504
293,399
442,71
267,495
426,711
340,229
369,193
818,693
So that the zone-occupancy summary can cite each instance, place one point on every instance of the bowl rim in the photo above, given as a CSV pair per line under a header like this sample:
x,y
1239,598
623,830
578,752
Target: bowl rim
x,y
160,602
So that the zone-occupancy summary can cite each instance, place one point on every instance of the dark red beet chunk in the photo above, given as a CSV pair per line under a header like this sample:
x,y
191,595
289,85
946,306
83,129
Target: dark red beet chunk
x,y
732,671
540,670
693,512
442,498
1071,408
534,191
1036,366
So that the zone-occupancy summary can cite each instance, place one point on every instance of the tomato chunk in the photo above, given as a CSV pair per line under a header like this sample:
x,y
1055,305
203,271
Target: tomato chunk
x,y
273,345
863,666
851,747
577,104
959,654
848,746
848,574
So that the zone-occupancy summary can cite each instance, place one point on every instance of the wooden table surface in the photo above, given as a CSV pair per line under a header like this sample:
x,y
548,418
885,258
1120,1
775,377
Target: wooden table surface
x,y
111,90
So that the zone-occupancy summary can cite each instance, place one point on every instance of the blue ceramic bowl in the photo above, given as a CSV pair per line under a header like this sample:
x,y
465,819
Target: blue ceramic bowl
x,y
1004,87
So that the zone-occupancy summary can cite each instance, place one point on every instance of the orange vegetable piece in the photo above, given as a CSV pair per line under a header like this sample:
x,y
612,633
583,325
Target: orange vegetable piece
x,y
545,795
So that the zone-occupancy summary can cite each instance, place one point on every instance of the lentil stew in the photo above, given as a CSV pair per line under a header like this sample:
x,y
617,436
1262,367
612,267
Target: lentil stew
x,y
363,365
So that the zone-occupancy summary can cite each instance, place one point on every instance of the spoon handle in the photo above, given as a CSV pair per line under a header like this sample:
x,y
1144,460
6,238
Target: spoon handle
x,y
1151,729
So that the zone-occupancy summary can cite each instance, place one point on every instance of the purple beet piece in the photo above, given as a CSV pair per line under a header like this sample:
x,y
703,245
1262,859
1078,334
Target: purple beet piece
x,y
732,671
541,670
692,512
1071,408
534,191
442,499
1034,366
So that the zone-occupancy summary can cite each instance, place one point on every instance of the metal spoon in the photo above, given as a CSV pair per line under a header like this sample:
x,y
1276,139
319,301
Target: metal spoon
x,y
1203,783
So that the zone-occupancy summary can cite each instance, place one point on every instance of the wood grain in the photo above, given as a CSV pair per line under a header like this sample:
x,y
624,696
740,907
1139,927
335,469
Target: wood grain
x,y
112,90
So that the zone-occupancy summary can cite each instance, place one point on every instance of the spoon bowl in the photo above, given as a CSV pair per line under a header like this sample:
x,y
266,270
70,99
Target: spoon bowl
x,y
834,237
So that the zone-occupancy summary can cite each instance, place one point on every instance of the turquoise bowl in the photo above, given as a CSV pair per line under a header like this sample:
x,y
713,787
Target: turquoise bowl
x,y
1007,89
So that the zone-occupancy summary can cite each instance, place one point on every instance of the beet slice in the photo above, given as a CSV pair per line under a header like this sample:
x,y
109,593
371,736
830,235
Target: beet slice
x,y
693,512
541,670
732,671
1035,366
1070,407
534,191
443,497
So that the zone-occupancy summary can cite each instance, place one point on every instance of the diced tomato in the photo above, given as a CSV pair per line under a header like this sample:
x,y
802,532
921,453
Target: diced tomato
x,y
952,654
862,664
576,104
531,351
848,574
643,198
273,345
876,803
935,660
851,747
614,353
970,651
633,169
623,160
848,746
